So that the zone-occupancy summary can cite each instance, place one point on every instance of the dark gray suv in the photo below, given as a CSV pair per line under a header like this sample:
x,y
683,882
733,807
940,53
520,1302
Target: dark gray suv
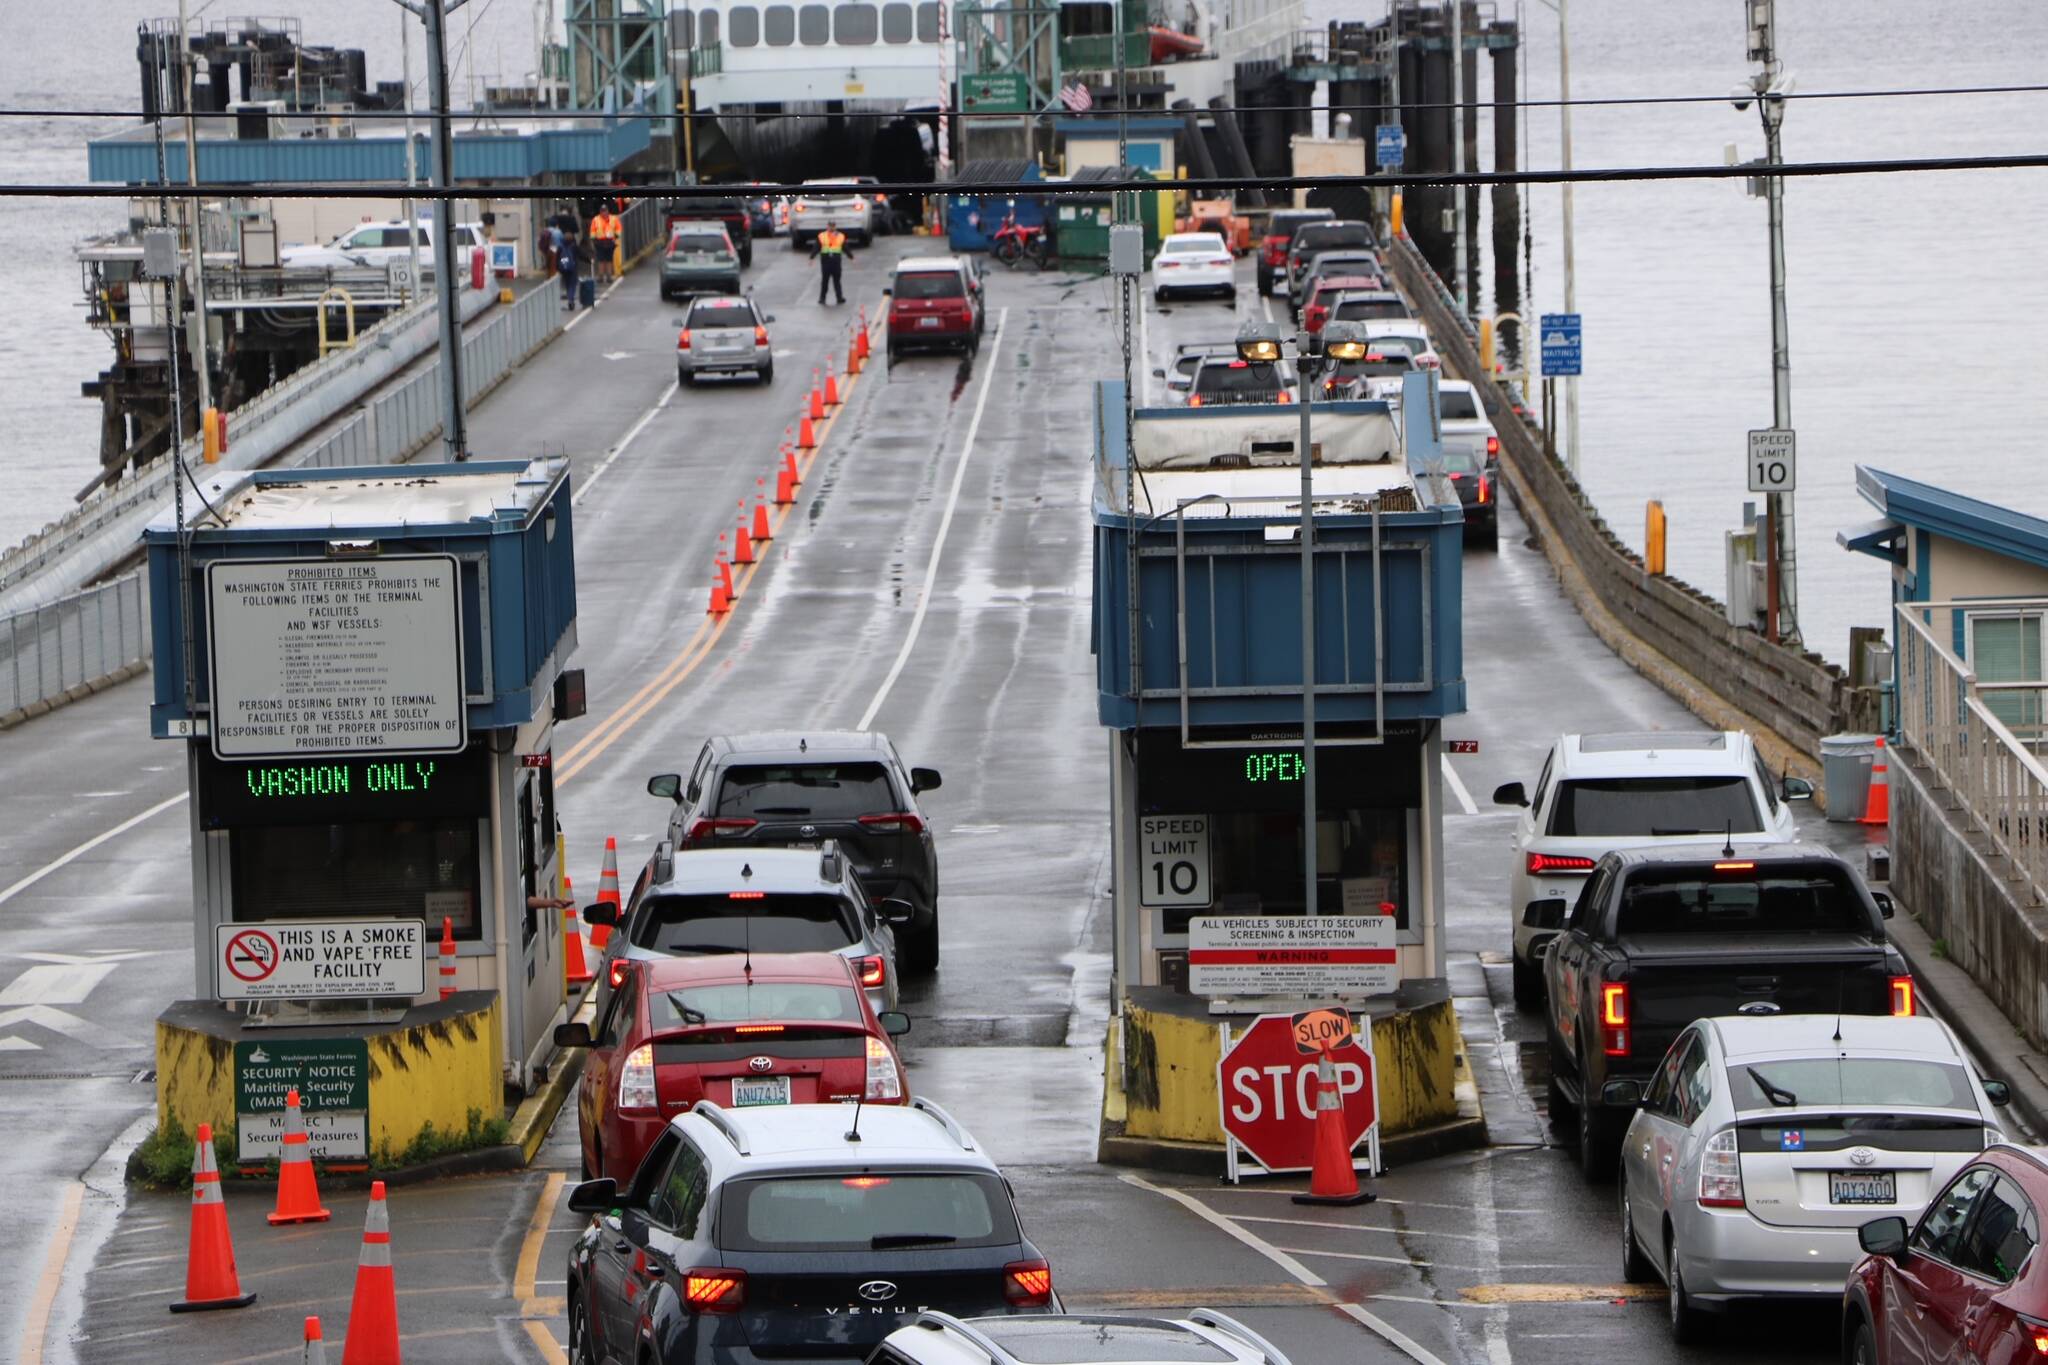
x,y
798,789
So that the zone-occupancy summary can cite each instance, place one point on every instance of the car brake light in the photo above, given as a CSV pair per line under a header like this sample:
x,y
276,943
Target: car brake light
x,y
1545,864
760,336
1734,867
1219,260
884,1081
1721,1172
865,1182
683,341
898,822
1028,1284
873,971
1614,1018
1169,265
1194,400
759,1028
1903,1004
1286,396
746,895
1485,490
636,1079
1493,445
709,1289
728,828
2037,1332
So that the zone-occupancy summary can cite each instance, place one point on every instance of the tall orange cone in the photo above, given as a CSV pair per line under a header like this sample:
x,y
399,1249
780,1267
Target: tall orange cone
x,y
742,546
853,357
210,1279
806,434
447,956
373,1312
816,411
607,891
574,965
1332,1180
796,476
831,389
298,1193
762,530
316,1346
860,338
1877,809
785,487
732,594
721,603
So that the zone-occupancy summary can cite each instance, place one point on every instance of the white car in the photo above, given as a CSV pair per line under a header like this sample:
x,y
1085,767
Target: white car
x,y
1194,262
812,213
1408,333
1597,793
1765,1141
1464,425
1077,1338
375,245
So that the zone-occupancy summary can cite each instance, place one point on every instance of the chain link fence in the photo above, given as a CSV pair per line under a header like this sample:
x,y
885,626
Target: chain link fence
x,y
75,640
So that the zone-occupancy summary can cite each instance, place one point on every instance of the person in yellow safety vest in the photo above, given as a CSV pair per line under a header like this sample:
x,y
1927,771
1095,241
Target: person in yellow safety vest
x,y
831,262
604,240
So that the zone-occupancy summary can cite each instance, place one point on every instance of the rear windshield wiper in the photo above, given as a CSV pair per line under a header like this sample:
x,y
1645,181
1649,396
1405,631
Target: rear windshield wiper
x,y
910,1239
689,1015
1659,832
1777,1095
700,948
782,810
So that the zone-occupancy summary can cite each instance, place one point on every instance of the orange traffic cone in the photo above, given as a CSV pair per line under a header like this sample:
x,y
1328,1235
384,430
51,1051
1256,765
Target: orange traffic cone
x,y
742,546
762,530
210,1279
732,593
607,890
860,338
316,1347
574,965
796,476
1332,1180
831,390
785,487
447,957
853,357
373,1312
721,603
816,411
1877,809
298,1193
806,434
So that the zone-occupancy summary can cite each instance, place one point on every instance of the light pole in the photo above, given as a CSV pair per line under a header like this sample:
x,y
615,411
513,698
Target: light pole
x,y
1771,85
1261,341
441,175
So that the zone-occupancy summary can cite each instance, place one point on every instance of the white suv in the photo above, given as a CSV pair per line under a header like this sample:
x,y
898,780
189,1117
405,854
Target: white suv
x,y
1082,1339
378,244
1597,793
812,213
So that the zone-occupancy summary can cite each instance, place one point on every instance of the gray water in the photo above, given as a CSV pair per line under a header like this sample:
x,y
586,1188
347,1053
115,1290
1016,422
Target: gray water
x,y
1916,300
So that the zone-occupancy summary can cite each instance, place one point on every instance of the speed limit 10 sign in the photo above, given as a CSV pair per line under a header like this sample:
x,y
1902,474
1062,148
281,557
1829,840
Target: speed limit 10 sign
x,y
1173,860
1772,465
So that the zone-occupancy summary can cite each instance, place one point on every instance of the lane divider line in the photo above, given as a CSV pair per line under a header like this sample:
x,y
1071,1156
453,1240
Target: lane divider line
x,y
65,860
53,1275
1393,1335
1229,1226
1457,786
931,568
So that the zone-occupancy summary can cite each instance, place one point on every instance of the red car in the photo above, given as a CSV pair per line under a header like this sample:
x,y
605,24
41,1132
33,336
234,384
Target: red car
x,y
935,302
1315,309
1963,1284
773,1028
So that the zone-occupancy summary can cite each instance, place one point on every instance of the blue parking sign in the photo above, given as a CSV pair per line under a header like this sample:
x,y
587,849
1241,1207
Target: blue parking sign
x,y
1559,336
1389,146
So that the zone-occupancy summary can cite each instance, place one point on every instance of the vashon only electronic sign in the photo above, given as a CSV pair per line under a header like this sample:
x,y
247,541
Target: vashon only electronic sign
x,y
314,656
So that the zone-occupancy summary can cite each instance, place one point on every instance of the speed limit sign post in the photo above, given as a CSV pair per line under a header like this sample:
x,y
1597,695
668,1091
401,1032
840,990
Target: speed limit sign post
x,y
1773,466
1173,860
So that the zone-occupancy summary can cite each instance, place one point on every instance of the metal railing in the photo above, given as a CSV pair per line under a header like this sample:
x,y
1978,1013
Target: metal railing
x,y
77,639
1981,739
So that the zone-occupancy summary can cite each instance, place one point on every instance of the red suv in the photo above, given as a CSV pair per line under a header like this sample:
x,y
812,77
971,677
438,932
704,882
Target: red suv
x,y
1280,230
935,302
1315,308
1962,1285
736,1029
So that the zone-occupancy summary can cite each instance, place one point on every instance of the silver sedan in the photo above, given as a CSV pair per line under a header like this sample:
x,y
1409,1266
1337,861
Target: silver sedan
x,y
1764,1141
724,334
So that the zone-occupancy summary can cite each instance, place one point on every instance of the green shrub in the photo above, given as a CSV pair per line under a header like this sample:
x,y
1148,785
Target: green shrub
x,y
431,1142
163,1160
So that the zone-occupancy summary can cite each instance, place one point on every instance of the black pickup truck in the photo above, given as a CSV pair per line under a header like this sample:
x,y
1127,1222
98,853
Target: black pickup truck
x,y
1661,937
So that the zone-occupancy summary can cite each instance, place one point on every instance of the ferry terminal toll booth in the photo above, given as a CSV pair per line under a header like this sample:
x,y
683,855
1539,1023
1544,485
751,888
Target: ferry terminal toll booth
x,y
377,662
1199,688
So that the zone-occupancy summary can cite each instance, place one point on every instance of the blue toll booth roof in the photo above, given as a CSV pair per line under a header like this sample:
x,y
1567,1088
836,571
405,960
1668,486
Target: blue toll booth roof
x,y
506,522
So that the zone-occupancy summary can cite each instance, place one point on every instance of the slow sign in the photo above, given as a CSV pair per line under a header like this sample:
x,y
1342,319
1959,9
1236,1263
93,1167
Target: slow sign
x,y
320,959
1268,1092
1315,1030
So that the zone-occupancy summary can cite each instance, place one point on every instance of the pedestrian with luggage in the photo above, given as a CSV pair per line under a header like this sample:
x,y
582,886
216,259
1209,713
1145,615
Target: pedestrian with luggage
x,y
831,263
568,264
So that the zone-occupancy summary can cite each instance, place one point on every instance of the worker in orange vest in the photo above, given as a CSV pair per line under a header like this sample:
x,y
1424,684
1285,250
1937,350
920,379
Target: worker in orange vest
x,y
604,240
831,262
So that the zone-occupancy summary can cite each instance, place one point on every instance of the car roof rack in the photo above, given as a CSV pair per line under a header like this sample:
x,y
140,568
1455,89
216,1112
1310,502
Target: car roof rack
x,y
934,1321
1231,1327
722,1121
946,1121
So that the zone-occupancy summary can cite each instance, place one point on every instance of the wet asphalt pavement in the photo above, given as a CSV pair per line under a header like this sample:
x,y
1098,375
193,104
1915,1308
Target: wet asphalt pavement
x,y
1497,1256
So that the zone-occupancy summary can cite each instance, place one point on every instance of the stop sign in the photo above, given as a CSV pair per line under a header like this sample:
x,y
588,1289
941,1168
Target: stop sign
x,y
1268,1089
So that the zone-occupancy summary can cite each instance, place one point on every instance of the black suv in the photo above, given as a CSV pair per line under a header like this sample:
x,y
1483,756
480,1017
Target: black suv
x,y
801,1234
797,790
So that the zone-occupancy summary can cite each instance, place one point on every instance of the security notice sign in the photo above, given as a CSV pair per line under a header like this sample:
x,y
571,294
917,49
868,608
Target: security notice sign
x,y
320,959
335,656
1292,955
332,1076
1173,855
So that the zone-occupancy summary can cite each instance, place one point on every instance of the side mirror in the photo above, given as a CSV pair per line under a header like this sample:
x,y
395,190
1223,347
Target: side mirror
x,y
895,910
1883,1237
1622,1094
1159,374
895,1023
1998,1092
1547,913
575,1034
666,785
1510,794
604,912
596,1196
887,290
1885,907
925,780
767,317
1796,789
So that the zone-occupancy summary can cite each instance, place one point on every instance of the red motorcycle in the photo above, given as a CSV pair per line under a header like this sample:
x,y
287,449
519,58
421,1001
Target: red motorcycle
x,y
1014,242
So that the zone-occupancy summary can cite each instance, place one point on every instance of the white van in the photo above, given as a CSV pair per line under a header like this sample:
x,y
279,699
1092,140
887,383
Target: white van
x,y
375,245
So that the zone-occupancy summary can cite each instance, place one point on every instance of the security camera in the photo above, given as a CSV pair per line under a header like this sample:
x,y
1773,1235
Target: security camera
x,y
1741,96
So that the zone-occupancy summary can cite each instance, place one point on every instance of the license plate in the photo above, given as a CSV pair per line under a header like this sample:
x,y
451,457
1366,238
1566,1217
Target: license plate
x,y
1863,1187
760,1090
929,322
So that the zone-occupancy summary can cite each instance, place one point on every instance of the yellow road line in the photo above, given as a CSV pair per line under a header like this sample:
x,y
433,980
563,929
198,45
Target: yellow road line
x,y
532,1307
52,1276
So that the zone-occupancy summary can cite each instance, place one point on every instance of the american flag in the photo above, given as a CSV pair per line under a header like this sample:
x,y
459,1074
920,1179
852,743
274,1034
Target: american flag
x,y
1077,99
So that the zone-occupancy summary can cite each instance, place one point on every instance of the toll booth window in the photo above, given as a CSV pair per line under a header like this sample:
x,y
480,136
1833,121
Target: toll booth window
x,y
1361,864
763,922
425,869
